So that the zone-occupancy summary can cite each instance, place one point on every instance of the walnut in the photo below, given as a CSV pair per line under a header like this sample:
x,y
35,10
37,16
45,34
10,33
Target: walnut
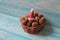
x,y
34,24
42,20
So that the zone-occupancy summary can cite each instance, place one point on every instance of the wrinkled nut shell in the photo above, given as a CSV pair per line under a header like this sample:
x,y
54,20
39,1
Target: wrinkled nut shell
x,y
42,20
22,18
23,22
34,24
26,19
37,19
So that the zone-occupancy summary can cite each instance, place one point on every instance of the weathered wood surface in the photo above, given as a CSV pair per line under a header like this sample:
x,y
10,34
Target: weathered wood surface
x,y
12,10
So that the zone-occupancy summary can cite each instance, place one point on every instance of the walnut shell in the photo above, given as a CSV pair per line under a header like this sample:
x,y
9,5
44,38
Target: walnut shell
x,y
22,18
42,20
37,18
34,24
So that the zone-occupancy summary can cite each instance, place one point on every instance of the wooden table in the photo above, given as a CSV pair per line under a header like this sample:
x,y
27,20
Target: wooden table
x,y
12,10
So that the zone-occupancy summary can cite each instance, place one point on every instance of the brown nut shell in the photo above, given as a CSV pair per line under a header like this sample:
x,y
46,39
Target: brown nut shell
x,y
24,22
22,18
42,20
37,18
34,24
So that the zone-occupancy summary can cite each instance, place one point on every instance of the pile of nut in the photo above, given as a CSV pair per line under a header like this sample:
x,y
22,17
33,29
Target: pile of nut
x,y
33,26
38,20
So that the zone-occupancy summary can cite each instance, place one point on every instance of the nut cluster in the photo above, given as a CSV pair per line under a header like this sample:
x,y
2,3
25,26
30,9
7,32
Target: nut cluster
x,y
38,20
33,26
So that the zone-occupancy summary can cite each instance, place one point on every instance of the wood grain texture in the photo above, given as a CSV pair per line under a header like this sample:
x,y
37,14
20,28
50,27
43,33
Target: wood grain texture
x,y
12,10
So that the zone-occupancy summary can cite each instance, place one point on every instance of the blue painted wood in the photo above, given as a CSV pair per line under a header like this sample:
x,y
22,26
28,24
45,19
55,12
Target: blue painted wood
x,y
12,10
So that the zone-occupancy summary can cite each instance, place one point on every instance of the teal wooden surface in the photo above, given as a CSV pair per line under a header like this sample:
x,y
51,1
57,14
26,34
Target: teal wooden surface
x,y
12,10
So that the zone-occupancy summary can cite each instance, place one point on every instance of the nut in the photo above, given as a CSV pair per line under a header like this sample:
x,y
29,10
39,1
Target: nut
x,y
22,18
42,20
37,19
24,22
34,24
